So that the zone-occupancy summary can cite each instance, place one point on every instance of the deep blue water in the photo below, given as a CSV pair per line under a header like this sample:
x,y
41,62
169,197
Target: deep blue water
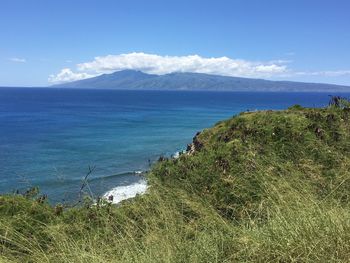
x,y
49,137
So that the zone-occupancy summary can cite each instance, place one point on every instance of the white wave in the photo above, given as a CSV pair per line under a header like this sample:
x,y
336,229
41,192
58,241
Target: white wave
x,y
178,153
121,193
138,172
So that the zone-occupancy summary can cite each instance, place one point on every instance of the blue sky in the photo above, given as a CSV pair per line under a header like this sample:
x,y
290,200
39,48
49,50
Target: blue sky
x,y
300,40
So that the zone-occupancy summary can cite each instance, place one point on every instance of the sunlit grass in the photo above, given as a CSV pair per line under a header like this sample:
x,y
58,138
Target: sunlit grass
x,y
263,187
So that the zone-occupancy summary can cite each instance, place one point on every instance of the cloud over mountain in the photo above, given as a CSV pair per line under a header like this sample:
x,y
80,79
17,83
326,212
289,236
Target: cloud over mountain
x,y
160,65
67,75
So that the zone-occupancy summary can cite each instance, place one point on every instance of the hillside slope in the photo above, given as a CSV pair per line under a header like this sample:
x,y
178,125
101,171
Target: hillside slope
x,y
137,80
268,186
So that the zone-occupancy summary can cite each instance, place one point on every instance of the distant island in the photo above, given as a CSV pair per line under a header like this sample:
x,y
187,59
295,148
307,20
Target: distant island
x,y
137,80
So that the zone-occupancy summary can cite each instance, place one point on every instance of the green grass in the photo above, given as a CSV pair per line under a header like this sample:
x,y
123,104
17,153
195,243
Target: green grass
x,y
270,186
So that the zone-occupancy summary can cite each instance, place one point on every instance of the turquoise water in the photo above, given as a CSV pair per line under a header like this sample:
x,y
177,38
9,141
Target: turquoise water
x,y
49,137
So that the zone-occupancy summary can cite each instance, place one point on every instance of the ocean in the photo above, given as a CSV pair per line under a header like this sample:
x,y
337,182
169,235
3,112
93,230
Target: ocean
x,y
50,137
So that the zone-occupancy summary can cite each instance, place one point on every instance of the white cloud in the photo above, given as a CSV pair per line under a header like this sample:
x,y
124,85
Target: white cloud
x,y
18,60
156,64
67,75
326,73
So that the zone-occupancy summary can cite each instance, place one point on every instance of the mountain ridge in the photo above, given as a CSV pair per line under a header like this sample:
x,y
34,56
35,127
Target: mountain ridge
x,y
138,80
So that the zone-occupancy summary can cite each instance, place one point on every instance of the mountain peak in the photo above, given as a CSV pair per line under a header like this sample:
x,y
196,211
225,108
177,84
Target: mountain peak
x,y
128,71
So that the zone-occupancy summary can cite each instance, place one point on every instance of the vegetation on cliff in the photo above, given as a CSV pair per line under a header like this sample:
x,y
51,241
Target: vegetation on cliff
x,y
262,186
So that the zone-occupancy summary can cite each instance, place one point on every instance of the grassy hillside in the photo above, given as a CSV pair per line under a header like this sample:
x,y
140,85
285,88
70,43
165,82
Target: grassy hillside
x,y
269,186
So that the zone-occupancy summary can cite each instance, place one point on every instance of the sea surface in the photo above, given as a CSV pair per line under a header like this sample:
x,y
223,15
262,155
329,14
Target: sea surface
x,y
50,137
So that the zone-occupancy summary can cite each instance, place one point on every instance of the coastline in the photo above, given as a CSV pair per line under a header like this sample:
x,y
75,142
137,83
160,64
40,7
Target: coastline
x,y
118,194
253,181
54,146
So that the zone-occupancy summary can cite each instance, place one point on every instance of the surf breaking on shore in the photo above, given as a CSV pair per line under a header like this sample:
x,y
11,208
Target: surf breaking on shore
x,y
120,193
